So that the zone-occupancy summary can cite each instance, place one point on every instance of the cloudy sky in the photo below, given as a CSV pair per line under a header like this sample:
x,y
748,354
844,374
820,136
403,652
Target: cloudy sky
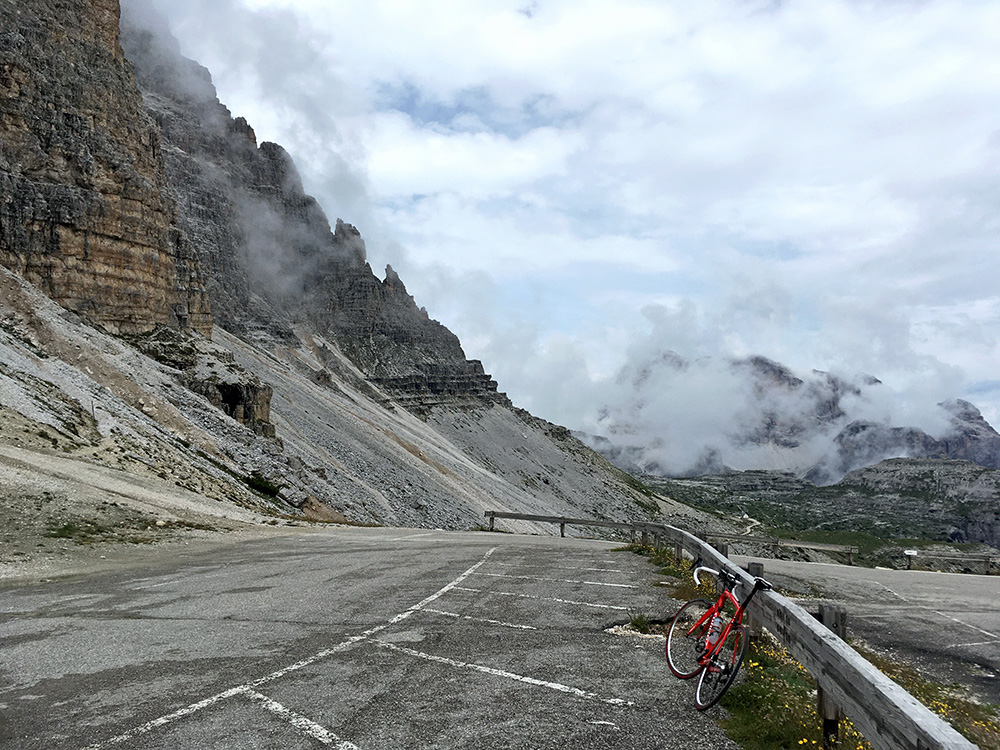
x,y
574,185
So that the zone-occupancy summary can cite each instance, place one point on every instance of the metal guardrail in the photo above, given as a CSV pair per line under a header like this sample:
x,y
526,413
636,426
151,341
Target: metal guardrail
x,y
888,716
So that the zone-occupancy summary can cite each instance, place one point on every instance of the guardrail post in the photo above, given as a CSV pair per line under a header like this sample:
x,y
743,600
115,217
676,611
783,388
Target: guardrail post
x,y
986,566
562,527
678,551
645,536
756,570
834,617
492,519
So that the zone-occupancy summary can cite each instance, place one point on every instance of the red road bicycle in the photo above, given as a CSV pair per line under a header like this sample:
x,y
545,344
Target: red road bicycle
x,y
704,640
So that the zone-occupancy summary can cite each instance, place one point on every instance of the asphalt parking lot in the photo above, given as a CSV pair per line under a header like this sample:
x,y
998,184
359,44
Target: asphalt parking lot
x,y
365,638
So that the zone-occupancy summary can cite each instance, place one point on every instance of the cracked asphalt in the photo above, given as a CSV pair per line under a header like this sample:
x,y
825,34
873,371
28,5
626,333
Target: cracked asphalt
x,y
351,638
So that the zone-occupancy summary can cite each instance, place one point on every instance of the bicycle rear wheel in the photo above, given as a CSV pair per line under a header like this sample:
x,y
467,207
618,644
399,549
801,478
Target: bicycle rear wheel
x,y
721,671
685,642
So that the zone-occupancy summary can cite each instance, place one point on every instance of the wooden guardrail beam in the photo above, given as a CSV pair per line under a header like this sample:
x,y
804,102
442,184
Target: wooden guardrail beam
x,y
561,520
985,560
888,716
773,541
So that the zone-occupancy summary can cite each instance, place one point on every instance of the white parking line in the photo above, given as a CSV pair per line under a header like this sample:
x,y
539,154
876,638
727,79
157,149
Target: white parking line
x,y
937,612
568,567
248,688
956,620
977,643
297,720
408,537
168,718
541,598
501,673
479,619
561,580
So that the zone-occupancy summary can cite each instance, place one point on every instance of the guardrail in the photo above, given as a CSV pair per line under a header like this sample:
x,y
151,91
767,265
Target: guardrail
x,y
987,561
638,527
773,541
888,716
561,520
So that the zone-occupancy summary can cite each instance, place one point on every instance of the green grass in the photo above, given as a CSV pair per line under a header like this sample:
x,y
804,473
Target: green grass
x,y
685,587
134,531
978,722
774,704
640,622
639,486
865,542
81,532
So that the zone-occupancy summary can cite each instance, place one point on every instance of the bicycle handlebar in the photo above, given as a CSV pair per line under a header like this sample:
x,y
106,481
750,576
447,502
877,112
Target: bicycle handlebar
x,y
759,583
707,570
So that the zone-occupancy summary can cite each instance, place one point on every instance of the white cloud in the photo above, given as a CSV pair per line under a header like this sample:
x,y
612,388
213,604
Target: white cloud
x,y
815,182
408,160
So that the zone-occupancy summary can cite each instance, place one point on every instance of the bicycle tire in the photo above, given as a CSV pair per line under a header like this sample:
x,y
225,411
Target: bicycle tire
x,y
721,672
684,648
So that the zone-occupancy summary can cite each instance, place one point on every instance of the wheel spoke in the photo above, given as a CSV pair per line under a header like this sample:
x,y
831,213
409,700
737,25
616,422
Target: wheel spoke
x,y
716,679
685,642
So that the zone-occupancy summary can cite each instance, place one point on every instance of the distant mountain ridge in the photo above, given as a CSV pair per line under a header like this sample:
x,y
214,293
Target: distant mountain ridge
x,y
818,426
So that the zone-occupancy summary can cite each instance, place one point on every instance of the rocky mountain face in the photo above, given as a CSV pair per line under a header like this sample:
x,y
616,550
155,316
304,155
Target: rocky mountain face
x,y
272,261
204,326
817,426
85,210
969,437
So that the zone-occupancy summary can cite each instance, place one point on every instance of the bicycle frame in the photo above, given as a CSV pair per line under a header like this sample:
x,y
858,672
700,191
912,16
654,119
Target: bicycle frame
x,y
725,596
711,648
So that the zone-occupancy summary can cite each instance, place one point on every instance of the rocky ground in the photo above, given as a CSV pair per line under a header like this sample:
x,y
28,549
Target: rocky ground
x,y
905,498
61,514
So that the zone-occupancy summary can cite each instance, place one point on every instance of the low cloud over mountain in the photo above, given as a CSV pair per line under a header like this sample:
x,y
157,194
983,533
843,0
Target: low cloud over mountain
x,y
674,416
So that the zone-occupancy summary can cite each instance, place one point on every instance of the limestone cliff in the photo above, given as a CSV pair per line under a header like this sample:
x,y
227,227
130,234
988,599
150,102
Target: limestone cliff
x,y
274,264
84,209
324,391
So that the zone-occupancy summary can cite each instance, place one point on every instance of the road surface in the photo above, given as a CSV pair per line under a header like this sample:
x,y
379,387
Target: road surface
x,y
366,638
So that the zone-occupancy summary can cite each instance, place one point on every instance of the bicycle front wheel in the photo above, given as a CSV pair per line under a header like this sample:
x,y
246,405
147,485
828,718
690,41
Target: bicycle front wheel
x,y
686,637
721,670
